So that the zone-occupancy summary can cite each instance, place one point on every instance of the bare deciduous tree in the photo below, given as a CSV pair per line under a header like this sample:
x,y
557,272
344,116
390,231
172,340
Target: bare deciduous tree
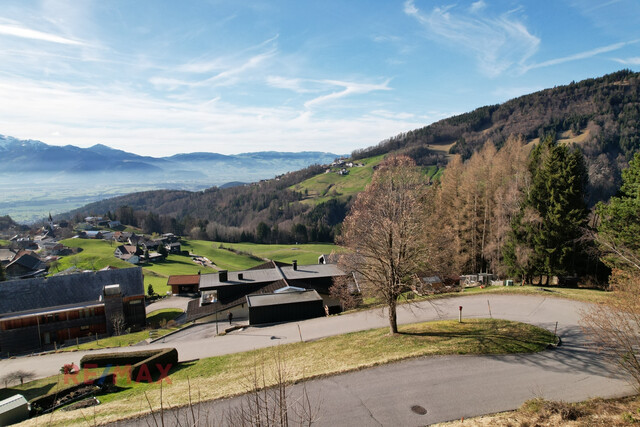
x,y
385,230
118,323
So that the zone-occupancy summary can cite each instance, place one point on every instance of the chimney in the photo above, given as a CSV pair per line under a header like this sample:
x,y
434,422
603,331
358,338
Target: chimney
x,y
240,276
295,264
222,275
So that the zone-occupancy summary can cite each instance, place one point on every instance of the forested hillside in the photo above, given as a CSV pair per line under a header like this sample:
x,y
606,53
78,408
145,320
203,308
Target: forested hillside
x,y
599,116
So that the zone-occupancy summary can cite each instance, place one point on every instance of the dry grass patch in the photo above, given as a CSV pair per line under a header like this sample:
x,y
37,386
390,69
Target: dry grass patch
x,y
225,376
540,412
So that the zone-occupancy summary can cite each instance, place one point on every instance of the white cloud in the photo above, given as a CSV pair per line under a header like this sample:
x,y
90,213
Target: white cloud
x,y
477,6
28,33
628,61
496,43
580,55
349,88
138,122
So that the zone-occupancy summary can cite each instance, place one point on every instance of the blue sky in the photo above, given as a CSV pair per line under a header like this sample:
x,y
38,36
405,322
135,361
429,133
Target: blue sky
x,y
162,77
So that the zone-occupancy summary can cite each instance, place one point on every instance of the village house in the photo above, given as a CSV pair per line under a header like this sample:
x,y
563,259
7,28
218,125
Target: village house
x,y
43,313
25,264
129,253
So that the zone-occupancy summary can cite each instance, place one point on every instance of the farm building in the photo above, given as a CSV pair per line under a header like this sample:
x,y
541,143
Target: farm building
x,y
42,313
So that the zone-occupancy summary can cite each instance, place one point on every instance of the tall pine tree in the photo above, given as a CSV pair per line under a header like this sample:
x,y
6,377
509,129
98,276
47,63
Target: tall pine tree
x,y
546,232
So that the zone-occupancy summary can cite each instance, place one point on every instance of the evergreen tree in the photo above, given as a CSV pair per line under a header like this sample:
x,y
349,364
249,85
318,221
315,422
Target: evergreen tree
x,y
545,233
2,275
619,226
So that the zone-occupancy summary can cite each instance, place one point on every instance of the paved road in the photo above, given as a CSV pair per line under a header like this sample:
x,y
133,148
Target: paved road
x,y
448,387
173,301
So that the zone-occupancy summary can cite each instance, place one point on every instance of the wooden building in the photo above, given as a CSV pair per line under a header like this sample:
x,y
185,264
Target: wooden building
x,y
42,313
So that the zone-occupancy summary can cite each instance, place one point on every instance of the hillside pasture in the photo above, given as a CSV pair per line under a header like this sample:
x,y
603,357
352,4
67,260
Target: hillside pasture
x,y
325,186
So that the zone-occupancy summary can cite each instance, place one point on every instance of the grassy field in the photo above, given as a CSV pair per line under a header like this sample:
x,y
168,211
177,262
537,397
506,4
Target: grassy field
x,y
251,254
97,254
4,242
306,360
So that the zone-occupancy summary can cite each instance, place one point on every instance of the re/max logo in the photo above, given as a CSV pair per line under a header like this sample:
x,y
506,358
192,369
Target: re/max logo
x,y
144,374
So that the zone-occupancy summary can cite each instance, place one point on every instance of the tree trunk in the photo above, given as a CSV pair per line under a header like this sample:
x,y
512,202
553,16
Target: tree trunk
x,y
393,322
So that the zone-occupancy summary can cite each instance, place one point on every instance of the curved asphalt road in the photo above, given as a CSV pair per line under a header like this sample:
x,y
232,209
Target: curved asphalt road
x,y
448,387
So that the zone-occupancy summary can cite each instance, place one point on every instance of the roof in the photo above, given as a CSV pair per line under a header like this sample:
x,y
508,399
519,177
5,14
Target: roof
x,y
312,271
40,293
27,261
185,279
12,402
6,254
283,298
266,275
212,280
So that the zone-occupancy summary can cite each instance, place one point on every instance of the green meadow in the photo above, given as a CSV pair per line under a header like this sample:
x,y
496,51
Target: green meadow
x,y
97,254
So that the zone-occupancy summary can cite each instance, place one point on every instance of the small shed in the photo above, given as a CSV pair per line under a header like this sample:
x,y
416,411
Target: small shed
x,y
284,306
13,410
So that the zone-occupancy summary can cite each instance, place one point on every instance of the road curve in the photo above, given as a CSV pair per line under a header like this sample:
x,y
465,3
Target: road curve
x,y
447,387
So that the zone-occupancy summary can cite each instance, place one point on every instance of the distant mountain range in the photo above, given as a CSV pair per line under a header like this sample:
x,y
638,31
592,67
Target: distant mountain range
x,y
31,172
28,157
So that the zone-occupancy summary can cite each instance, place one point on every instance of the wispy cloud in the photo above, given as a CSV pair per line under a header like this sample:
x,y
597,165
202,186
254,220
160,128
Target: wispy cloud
x,y
349,88
580,55
628,61
28,33
497,43
134,121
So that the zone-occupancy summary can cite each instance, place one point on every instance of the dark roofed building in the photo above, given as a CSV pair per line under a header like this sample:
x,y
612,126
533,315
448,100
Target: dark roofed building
x,y
25,265
228,290
299,304
41,313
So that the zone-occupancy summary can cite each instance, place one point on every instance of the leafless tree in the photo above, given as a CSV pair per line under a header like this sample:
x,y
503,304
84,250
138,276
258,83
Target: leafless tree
x,y
118,323
385,230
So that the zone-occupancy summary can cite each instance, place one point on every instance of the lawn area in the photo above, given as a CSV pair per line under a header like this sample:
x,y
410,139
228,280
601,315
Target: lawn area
x,y
4,242
96,254
225,259
305,254
155,318
578,294
222,258
327,356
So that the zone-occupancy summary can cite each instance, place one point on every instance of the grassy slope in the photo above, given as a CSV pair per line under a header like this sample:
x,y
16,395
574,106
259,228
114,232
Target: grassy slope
x,y
326,186
323,187
322,357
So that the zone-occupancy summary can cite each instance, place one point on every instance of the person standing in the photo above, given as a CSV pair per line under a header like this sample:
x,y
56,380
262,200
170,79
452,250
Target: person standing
x,y
230,317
